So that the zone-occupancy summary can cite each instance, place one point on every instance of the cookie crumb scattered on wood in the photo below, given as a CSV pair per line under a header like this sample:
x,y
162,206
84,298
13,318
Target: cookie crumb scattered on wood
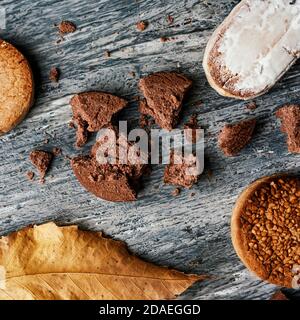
x,y
107,54
66,27
142,25
54,74
164,39
176,192
191,133
56,151
170,19
30,175
290,119
251,106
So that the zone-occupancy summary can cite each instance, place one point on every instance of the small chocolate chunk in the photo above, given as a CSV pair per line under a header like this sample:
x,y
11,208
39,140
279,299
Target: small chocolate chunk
x,y
93,111
191,127
164,93
182,171
66,27
41,160
234,137
290,118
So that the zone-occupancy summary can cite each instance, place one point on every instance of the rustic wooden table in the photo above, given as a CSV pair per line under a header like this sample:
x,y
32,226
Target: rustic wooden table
x,y
191,233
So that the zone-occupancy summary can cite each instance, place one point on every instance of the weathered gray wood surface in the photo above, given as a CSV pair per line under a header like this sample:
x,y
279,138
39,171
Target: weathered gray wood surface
x,y
189,233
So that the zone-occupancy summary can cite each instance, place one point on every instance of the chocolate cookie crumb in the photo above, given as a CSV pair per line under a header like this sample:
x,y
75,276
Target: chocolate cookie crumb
x,y
164,93
66,27
176,192
234,137
279,295
209,173
54,74
290,119
191,133
170,19
41,160
142,25
164,39
56,151
184,174
71,124
107,54
251,106
46,141
144,121
30,175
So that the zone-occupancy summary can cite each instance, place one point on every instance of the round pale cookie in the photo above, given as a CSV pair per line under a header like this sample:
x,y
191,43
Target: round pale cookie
x,y
16,87
265,228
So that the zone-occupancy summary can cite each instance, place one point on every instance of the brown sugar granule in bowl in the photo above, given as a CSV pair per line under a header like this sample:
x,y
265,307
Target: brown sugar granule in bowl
x,y
266,228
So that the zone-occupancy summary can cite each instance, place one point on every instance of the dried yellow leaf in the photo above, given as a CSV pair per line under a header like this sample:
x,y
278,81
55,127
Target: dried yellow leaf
x,y
51,262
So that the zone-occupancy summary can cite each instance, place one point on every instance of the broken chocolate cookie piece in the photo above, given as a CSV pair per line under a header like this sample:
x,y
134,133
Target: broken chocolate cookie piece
x,y
182,171
41,160
112,181
164,93
234,137
104,182
290,118
93,111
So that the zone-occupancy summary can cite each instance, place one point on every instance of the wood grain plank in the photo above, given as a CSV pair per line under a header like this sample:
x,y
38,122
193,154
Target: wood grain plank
x,y
189,233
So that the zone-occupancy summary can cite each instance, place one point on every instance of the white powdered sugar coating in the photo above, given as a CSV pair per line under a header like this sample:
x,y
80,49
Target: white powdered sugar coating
x,y
261,42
